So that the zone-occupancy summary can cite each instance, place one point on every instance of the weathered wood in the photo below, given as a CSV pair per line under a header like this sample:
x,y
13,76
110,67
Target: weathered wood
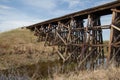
x,y
69,33
61,38
70,54
115,10
115,27
94,28
111,37
46,39
63,25
86,58
114,55
80,43
61,56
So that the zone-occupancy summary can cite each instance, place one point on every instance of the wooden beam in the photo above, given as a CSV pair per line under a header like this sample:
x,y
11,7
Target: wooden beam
x,y
91,45
36,29
63,25
115,10
93,28
115,27
61,38
114,55
59,53
111,38
86,58
69,33
71,54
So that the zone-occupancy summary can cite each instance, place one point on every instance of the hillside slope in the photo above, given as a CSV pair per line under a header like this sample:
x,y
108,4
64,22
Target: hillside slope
x,y
20,47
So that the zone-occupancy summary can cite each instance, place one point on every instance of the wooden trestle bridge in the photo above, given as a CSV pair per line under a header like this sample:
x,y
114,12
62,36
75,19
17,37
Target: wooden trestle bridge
x,y
79,43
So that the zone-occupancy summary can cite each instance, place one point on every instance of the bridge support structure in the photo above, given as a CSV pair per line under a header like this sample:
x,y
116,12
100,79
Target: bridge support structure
x,y
80,43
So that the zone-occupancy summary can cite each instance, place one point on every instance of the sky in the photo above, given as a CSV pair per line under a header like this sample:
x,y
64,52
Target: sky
x,y
19,13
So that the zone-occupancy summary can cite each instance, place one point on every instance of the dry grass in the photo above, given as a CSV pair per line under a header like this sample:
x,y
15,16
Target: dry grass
x,y
101,74
19,47
111,73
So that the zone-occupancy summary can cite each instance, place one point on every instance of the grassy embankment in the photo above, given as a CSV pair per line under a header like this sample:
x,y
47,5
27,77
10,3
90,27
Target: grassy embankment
x,y
20,47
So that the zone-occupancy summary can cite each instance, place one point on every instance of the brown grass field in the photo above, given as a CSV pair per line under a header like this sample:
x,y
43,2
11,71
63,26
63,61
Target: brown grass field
x,y
111,73
19,47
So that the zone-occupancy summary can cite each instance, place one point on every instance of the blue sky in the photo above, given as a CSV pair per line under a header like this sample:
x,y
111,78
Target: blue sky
x,y
18,13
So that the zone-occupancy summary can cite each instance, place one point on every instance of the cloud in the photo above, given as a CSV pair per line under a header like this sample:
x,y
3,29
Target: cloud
x,y
8,25
85,3
4,7
58,13
72,3
75,3
12,24
103,2
41,4
4,0
11,18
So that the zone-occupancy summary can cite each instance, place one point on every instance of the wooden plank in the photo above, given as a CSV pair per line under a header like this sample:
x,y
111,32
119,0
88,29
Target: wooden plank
x,y
115,10
86,58
59,53
74,40
61,38
116,43
111,38
36,29
114,55
115,27
71,54
91,45
63,25
93,28
69,33
46,39
84,48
